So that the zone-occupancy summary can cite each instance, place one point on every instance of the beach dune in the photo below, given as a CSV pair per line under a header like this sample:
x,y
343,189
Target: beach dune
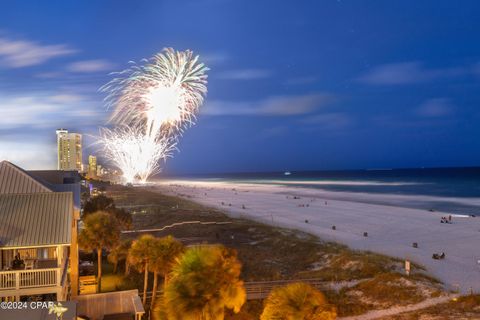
x,y
391,227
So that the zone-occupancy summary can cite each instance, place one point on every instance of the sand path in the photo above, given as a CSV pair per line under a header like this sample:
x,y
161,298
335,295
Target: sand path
x,y
376,314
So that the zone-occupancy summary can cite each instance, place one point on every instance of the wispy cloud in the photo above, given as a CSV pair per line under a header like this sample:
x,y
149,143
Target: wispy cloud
x,y
24,53
214,58
271,106
408,73
49,75
65,98
28,122
437,107
43,110
244,74
328,121
28,153
88,66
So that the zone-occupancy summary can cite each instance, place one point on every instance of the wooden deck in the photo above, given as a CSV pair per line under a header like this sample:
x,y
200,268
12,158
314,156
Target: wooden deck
x,y
21,279
98,305
261,289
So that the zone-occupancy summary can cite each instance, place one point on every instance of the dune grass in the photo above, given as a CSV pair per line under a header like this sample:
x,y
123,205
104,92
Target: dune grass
x,y
463,308
272,253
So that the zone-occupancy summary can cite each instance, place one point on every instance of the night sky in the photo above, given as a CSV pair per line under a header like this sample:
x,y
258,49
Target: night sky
x,y
294,85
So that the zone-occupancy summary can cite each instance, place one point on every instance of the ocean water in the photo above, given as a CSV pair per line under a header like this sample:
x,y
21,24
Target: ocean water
x,y
456,190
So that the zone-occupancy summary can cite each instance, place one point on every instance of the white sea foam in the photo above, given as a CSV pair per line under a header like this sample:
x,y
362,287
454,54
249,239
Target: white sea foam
x,y
337,182
295,187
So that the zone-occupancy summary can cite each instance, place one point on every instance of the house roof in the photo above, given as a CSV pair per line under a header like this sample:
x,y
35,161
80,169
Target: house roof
x,y
70,187
60,181
56,176
16,180
36,219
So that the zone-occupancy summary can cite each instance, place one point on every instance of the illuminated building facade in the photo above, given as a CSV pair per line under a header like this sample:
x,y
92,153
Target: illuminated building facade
x,y
69,147
92,166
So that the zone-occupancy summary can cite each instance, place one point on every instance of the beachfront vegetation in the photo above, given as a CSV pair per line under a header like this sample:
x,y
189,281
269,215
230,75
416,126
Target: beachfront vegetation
x,y
119,254
106,204
383,291
353,279
100,232
297,301
204,282
139,256
462,308
164,253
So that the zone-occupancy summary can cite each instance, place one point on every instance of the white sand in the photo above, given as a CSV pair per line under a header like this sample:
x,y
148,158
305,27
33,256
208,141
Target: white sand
x,y
391,228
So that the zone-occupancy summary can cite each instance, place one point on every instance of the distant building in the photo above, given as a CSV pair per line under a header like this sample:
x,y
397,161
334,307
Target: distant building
x,y
99,170
69,150
92,166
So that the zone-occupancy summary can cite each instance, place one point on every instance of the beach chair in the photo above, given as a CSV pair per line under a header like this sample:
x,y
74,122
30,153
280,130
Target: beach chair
x,y
437,256
29,264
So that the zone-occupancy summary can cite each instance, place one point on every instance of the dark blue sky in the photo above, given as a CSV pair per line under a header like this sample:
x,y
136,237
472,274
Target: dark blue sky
x,y
297,85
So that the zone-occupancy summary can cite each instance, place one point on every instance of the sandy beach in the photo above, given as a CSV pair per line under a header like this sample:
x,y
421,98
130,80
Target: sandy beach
x,y
392,222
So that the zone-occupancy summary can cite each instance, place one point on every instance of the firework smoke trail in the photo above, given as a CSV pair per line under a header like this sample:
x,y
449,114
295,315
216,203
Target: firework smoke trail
x,y
157,101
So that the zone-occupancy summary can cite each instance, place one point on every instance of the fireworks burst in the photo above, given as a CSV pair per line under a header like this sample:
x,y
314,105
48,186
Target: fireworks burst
x,y
133,153
165,93
152,105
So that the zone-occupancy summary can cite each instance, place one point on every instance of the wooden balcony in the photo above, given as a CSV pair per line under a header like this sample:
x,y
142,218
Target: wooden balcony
x,y
38,273
41,271
22,279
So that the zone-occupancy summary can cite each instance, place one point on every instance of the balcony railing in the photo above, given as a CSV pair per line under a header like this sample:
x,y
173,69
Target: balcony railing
x,y
20,279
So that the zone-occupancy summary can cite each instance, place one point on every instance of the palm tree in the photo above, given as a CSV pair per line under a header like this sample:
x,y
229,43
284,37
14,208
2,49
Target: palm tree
x,y
297,301
163,256
100,231
203,282
119,253
139,256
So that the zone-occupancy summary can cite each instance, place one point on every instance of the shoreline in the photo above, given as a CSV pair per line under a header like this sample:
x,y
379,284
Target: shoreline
x,y
391,229
465,205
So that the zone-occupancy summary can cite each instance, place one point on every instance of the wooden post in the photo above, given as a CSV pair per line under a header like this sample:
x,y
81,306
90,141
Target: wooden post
x,y
59,277
74,255
17,281
60,296
59,250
